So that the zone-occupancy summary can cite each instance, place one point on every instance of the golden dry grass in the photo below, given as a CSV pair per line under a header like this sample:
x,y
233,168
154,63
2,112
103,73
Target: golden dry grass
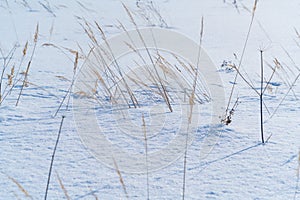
x,y
20,187
63,187
29,63
120,178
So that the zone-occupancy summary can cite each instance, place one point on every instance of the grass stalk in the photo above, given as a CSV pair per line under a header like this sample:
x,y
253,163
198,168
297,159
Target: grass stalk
x,y
6,61
242,56
53,156
21,188
29,63
73,78
146,151
261,97
131,94
191,102
284,97
21,63
185,164
121,178
63,187
162,88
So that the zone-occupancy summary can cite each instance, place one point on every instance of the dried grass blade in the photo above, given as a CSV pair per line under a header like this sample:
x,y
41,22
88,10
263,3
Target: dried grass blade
x,y
21,188
63,187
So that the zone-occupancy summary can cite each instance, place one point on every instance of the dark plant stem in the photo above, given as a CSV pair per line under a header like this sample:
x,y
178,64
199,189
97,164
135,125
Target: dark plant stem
x,y
53,155
261,96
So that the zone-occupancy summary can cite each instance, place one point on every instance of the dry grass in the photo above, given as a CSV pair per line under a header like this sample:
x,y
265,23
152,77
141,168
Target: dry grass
x,y
129,91
63,187
6,61
191,103
241,59
74,75
29,63
120,178
150,13
14,75
111,81
11,76
161,88
77,56
21,188
25,49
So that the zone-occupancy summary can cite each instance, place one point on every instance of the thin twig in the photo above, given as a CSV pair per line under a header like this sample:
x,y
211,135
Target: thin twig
x,y
191,102
261,97
53,155
290,88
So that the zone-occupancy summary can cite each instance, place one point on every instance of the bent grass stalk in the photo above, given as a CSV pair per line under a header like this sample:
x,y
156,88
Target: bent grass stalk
x,y
102,53
162,88
133,47
131,94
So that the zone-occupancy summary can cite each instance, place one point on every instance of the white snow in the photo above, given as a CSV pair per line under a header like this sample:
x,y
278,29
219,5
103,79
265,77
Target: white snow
x,y
238,167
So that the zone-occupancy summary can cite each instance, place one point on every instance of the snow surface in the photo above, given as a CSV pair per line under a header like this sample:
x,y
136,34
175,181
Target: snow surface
x,y
239,167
